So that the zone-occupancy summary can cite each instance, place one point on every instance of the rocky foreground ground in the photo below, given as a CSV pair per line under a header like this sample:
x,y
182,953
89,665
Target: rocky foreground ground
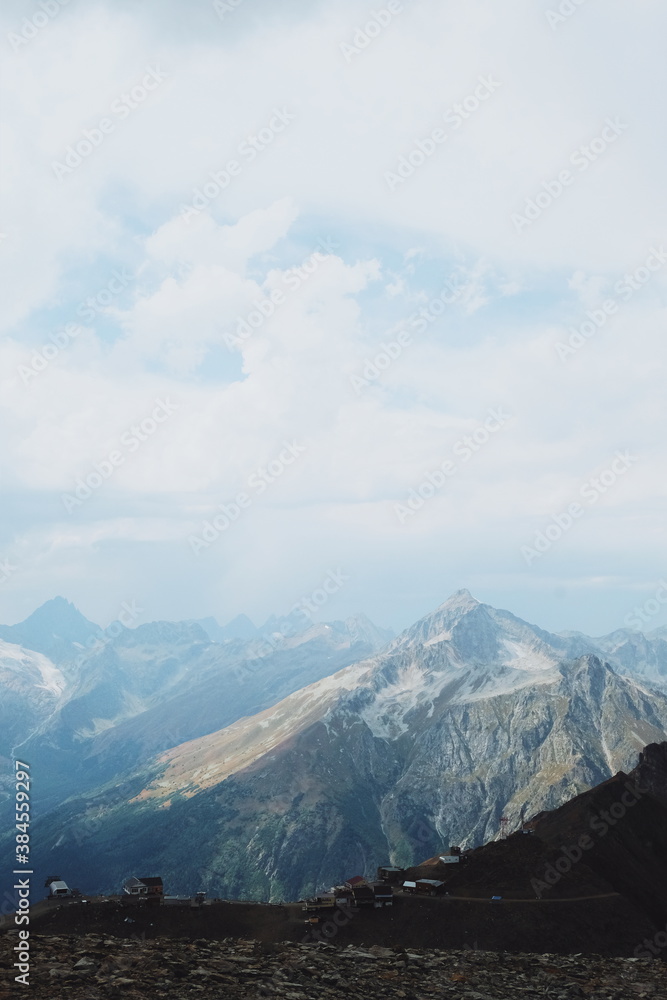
x,y
94,966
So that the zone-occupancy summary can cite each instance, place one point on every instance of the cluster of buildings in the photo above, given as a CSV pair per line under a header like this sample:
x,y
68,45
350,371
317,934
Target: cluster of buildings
x,y
358,891
418,881
148,889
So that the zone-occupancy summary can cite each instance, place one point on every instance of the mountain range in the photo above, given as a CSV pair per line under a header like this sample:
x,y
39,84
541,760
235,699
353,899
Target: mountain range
x,y
83,703
268,765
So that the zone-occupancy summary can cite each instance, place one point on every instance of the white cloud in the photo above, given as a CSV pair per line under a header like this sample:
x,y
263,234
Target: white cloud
x,y
197,282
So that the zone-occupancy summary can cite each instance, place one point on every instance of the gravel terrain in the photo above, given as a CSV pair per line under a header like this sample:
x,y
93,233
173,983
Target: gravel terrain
x,y
94,966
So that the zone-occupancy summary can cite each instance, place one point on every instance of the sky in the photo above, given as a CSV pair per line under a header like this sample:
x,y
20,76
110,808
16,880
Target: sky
x,y
334,302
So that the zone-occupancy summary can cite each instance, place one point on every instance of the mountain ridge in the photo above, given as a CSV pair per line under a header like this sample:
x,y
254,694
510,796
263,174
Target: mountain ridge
x,y
469,715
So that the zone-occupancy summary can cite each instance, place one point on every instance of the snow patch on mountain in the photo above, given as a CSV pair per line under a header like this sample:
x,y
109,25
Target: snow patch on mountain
x,y
440,637
31,668
525,656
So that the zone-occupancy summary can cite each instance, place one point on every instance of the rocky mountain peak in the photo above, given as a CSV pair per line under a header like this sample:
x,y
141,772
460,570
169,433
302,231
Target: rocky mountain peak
x,y
60,616
241,627
362,629
461,599
54,629
438,624
464,617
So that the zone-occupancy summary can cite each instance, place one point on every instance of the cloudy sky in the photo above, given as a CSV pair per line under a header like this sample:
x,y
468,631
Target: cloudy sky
x,y
305,291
